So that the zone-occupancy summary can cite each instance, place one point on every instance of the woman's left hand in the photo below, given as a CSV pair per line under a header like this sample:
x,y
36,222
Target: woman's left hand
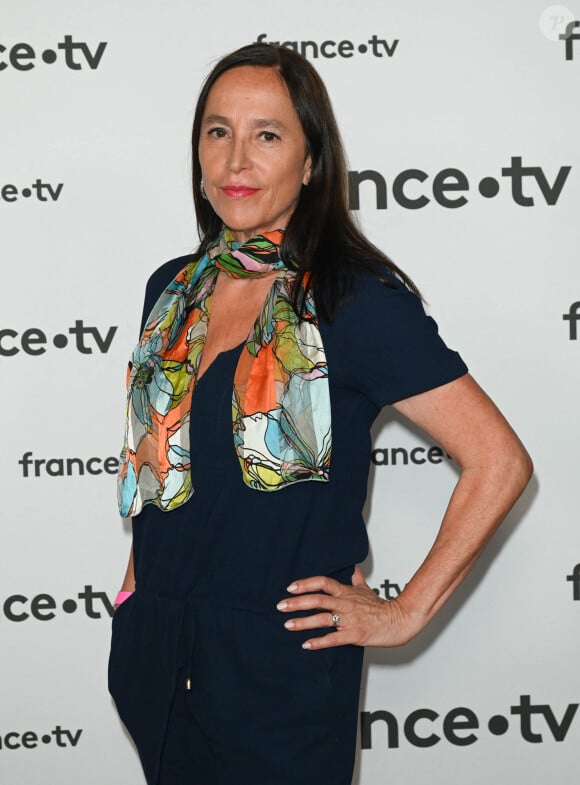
x,y
364,618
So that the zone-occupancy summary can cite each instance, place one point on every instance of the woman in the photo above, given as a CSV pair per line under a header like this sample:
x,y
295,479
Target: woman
x,y
263,362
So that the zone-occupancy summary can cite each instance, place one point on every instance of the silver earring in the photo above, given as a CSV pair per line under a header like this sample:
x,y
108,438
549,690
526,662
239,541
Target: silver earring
x,y
202,190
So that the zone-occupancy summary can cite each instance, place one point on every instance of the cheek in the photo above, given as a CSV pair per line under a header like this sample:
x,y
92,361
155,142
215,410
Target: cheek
x,y
208,157
289,180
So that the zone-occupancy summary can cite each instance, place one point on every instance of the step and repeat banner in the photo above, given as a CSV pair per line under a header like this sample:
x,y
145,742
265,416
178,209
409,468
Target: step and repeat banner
x,y
461,125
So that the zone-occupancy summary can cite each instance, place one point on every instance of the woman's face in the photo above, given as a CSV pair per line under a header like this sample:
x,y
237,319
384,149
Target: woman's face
x,y
252,151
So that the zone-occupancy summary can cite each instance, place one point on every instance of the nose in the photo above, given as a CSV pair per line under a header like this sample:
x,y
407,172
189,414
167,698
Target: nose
x,y
239,158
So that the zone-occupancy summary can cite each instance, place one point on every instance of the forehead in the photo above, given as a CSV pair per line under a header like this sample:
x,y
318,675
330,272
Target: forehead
x,y
251,89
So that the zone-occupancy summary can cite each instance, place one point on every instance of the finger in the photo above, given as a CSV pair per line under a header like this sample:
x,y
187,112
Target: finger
x,y
316,583
327,641
316,621
358,579
306,602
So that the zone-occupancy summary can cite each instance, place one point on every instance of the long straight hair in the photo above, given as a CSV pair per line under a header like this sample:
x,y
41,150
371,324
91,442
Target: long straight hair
x,y
321,237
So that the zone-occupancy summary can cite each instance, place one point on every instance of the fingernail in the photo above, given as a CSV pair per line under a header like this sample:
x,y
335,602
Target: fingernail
x,y
306,645
282,605
289,624
292,587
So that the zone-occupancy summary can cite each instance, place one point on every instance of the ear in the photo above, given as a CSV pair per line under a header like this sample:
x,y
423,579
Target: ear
x,y
307,170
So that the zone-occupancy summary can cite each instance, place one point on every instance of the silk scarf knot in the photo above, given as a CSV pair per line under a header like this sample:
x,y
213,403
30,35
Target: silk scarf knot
x,y
280,398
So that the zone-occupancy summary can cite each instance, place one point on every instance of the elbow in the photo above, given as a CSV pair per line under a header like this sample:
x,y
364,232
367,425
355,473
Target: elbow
x,y
517,464
526,467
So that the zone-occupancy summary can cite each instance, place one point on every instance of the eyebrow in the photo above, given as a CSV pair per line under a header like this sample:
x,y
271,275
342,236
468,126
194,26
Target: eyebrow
x,y
256,123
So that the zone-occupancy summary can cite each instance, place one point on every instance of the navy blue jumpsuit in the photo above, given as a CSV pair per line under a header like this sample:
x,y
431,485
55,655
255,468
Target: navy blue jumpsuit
x,y
212,687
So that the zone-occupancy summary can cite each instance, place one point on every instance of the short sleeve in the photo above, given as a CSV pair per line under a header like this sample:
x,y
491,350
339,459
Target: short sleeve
x,y
395,346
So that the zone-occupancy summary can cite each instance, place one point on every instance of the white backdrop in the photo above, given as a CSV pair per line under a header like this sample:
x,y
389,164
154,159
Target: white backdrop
x,y
97,102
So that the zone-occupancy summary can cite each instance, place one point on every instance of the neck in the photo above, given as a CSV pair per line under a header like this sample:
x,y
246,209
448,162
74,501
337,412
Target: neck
x,y
238,238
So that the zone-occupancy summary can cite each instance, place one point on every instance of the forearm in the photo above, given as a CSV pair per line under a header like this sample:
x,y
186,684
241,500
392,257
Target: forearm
x,y
482,498
494,471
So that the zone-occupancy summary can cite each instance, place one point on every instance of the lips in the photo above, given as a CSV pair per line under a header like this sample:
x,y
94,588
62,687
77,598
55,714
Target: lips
x,y
239,191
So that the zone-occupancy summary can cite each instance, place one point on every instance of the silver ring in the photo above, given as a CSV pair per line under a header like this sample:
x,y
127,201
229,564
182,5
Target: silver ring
x,y
336,619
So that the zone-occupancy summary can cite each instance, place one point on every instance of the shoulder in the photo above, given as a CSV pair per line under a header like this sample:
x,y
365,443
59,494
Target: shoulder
x,y
378,296
163,275
382,304
160,279
391,343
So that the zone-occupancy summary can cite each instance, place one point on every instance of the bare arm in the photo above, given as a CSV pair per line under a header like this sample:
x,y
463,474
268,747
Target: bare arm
x,y
495,469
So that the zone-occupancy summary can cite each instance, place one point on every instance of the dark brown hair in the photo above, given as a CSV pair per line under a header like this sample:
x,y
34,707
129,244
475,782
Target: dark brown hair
x,y
321,237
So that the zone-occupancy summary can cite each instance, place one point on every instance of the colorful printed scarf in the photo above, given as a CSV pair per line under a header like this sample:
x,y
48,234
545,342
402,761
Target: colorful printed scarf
x,y
280,401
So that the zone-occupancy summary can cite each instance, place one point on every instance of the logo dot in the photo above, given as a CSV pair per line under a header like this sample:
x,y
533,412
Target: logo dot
x,y
60,341
49,56
46,739
498,725
69,606
488,187
362,48
26,192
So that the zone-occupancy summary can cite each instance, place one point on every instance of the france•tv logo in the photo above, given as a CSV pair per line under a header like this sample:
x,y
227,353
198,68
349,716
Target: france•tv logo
x,y
76,55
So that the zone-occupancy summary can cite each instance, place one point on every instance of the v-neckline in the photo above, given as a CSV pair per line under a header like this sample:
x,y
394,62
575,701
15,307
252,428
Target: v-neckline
x,y
237,348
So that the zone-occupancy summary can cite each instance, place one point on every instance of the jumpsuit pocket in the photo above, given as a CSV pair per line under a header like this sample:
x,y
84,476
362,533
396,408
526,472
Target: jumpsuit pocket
x,y
331,677
302,677
122,609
